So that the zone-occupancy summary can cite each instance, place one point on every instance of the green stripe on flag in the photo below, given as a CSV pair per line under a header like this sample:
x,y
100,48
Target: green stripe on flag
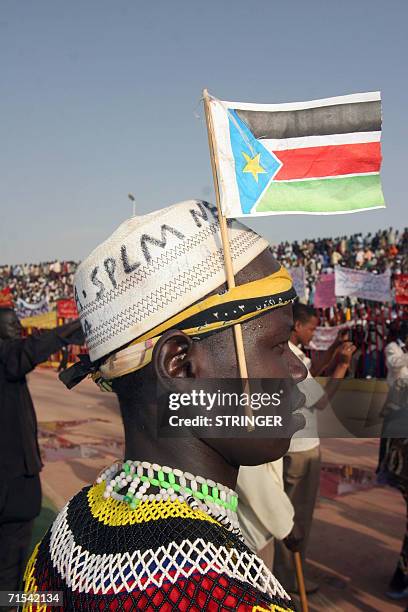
x,y
323,195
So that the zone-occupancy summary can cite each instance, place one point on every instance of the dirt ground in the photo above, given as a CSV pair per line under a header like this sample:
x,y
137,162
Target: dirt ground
x,y
358,527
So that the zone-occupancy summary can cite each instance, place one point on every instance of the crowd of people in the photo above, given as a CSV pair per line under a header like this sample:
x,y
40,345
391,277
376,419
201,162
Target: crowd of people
x,y
386,249
375,252
51,280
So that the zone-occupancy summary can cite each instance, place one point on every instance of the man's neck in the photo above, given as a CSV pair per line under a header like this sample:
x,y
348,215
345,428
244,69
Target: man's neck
x,y
187,454
294,339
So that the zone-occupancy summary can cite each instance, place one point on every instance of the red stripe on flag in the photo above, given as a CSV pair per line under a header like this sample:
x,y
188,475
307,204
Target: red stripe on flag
x,y
330,160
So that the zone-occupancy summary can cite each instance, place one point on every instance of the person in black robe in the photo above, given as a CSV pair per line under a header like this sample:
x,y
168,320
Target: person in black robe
x,y
20,460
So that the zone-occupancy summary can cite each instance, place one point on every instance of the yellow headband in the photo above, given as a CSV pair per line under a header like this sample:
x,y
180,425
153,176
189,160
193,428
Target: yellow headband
x,y
214,313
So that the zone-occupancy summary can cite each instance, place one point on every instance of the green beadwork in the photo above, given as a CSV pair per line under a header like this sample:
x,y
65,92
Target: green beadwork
x,y
168,480
172,478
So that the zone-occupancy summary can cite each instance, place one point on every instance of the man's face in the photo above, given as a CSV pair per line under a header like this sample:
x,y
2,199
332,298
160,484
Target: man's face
x,y
10,326
305,330
268,357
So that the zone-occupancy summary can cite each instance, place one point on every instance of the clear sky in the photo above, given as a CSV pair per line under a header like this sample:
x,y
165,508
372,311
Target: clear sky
x,y
102,97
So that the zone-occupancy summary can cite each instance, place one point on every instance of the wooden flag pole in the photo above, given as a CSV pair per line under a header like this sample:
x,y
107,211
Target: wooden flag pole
x,y
223,222
301,582
239,343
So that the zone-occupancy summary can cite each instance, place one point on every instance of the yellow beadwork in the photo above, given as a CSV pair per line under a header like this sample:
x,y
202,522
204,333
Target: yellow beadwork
x,y
29,581
116,513
30,585
273,608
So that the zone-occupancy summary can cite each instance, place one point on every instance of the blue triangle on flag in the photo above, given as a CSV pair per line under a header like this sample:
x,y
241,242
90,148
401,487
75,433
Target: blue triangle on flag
x,y
255,166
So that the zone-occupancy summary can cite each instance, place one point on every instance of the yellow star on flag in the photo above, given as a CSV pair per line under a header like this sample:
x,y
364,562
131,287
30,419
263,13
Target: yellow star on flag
x,y
253,165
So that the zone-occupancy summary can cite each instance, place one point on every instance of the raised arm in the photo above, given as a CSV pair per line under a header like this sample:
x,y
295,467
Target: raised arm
x,y
20,356
323,361
343,354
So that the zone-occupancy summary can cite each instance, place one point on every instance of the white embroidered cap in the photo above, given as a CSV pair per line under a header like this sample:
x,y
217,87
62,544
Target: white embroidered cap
x,y
153,267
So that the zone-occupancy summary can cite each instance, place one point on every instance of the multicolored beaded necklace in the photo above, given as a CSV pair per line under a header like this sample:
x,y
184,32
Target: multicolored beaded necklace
x,y
130,481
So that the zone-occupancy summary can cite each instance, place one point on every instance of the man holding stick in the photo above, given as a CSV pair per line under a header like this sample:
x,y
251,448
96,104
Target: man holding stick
x,y
301,465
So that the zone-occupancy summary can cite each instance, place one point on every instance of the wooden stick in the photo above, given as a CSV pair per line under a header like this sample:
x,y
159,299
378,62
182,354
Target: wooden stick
x,y
237,329
300,581
224,236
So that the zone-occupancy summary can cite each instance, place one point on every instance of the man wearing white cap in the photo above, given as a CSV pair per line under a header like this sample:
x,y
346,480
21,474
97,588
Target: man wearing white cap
x,y
159,530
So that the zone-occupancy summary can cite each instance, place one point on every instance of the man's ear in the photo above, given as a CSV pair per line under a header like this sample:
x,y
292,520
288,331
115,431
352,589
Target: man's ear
x,y
174,356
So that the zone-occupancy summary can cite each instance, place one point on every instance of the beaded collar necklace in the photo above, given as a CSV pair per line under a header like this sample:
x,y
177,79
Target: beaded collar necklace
x,y
129,482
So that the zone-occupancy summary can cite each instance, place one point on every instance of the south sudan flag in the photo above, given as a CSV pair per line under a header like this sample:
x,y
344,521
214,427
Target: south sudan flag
x,y
318,157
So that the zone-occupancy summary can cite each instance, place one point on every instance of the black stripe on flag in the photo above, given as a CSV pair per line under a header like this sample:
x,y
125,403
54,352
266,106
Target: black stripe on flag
x,y
336,119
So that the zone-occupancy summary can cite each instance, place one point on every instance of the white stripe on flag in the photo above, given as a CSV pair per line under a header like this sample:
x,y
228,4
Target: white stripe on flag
x,y
238,214
283,144
323,178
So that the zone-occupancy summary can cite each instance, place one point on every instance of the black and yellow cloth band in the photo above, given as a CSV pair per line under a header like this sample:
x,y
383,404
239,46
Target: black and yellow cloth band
x,y
213,314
